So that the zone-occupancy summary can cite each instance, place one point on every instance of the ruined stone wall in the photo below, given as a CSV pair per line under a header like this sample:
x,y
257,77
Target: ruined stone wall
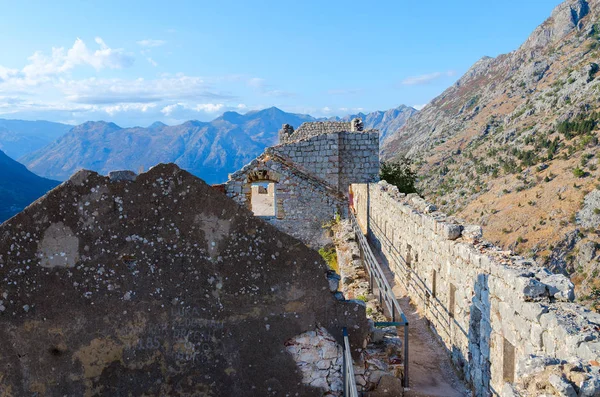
x,y
493,310
338,158
318,155
359,158
309,130
303,203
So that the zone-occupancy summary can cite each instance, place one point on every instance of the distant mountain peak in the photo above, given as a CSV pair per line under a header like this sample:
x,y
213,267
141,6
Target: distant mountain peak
x,y
157,125
98,125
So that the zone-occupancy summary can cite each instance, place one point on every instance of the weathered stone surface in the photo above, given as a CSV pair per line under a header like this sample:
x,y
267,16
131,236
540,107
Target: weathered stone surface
x,y
561,386
116,176
589,217
472,233
559,287
169,288
490,307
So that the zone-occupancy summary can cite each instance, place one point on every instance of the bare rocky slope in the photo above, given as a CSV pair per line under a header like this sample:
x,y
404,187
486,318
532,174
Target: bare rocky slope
x,y
513,145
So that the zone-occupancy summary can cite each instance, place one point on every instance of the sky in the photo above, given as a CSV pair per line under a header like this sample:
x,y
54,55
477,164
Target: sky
x,y
136,62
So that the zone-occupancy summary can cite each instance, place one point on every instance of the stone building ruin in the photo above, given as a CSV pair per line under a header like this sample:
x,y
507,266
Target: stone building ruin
x,y
310,171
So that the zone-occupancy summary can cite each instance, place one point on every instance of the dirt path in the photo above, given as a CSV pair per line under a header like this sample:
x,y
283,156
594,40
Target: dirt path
x,y
431,372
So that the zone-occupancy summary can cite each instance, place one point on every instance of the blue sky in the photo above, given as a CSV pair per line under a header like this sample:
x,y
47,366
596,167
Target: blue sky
x,y
135,62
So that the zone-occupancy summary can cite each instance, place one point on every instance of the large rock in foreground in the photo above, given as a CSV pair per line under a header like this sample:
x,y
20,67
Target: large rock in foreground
x,y
160,286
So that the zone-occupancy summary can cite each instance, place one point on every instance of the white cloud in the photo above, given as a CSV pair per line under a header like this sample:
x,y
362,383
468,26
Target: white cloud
x,y
265,89
151,43
167,87
152,61
426,78
170,110
257,82
128,107
209,107
61,60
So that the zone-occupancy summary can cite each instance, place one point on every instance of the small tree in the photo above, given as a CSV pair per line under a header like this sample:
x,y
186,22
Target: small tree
x,y
400,174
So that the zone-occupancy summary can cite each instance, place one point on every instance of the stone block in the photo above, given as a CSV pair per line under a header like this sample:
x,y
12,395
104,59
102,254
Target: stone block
x,y
559,287
117,176
561,386
449,231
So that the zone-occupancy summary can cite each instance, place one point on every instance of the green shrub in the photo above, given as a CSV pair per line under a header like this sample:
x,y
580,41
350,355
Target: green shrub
x,y
330,257
399,174
578,172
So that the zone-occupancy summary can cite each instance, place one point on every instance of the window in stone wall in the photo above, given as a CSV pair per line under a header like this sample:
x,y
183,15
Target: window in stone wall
x,y
451,300
263,199
508,365
433,283
408,255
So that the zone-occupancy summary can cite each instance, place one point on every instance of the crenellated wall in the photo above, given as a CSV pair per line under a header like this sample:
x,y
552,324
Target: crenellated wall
x,y
492,309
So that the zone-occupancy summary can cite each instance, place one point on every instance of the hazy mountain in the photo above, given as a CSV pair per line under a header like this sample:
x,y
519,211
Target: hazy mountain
x,y
387,122
513,145
209,150
20,137
19,187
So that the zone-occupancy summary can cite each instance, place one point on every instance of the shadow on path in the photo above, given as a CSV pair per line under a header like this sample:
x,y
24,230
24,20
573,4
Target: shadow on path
x,y
431,371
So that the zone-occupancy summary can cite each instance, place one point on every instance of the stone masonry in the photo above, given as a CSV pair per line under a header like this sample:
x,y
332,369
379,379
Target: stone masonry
x,y
308,130
503,318
312,169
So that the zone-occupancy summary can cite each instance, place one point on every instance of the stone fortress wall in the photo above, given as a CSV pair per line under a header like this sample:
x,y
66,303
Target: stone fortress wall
x,y
501,317
312,173
338,158
307,130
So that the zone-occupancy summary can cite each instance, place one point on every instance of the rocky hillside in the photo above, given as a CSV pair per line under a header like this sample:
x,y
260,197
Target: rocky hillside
x,y
513,145
387,121
20,137
19,187
209,150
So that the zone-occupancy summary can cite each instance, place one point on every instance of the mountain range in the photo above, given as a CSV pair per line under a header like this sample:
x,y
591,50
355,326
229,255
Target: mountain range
x,y
513,145
19,187
19,137
209,150
387,122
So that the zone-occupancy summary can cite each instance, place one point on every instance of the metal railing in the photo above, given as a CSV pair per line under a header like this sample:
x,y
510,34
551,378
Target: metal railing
x,y
350,389
384,290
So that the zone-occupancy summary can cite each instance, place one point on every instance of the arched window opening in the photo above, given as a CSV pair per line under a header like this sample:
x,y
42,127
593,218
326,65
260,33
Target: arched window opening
x,y
263,199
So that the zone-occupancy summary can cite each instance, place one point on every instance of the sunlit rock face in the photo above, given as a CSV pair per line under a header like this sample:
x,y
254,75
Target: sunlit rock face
x,y
156,285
